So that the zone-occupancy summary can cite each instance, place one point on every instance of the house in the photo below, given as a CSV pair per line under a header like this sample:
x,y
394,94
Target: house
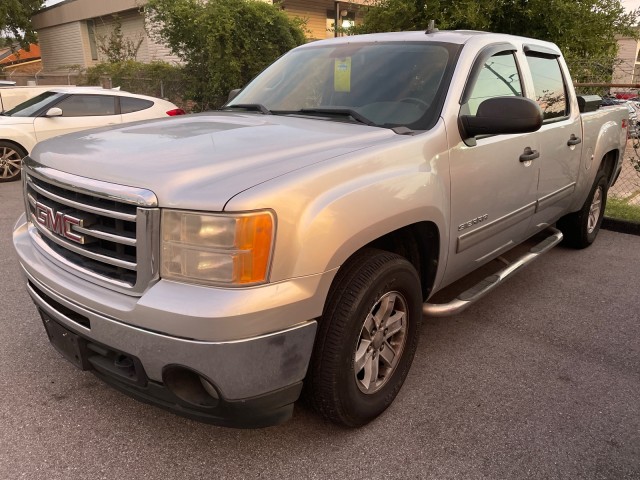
x,y
627,66
71,31
21,60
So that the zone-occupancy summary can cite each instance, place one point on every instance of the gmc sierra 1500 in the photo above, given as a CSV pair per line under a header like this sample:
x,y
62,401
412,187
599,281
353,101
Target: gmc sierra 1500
x,y
211,263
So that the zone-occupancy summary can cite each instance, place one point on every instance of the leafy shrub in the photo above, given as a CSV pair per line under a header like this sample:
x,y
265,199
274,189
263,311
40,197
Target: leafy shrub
x,y
224,43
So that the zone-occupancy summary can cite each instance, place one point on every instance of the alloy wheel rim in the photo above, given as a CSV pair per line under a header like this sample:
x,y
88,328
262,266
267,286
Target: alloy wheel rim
x,y
594,210
381,342
10,163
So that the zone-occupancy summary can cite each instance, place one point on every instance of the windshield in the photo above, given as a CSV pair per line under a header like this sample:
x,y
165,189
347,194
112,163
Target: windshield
x,y
33,105
387,84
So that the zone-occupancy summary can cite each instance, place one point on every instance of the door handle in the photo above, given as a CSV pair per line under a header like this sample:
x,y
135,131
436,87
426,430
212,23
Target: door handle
x,y
573,140
529,155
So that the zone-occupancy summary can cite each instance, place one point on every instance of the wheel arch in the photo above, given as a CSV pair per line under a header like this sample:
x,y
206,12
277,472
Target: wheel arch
x,y
16,143
419,243
608,165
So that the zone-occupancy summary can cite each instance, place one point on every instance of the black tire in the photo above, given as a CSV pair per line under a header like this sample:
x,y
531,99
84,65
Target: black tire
x,y
11,156
581,228
370,279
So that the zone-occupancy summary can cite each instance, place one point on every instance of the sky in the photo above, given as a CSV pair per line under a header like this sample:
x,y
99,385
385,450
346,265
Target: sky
x,y
631,4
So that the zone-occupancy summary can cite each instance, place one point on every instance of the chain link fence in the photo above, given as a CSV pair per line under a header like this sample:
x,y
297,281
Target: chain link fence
x,y
171,90
627,188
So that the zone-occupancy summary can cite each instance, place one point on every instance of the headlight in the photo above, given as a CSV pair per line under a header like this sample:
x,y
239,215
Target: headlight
x,y
216,249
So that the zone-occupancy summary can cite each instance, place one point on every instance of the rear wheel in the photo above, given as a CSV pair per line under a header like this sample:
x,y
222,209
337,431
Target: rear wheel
x,y
11,156
367,338
581,228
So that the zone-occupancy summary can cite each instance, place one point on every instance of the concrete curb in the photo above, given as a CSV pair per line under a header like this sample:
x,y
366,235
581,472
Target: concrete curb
x,y
622,226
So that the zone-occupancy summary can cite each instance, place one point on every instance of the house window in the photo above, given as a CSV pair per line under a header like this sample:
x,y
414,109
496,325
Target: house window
x,y
347,20
91,30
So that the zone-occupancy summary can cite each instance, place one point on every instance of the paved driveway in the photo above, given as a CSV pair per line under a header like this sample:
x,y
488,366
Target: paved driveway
x,y
541,379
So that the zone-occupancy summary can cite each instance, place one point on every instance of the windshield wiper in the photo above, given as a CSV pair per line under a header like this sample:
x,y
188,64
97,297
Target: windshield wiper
x,y
344,112
256,107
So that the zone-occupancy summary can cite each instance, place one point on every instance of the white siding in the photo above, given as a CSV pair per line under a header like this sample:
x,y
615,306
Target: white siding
x,y
158,51
627,54
62,46
132,29
314,12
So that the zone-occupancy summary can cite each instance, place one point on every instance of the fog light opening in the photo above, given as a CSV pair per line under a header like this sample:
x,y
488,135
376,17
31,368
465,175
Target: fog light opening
x,y
190,387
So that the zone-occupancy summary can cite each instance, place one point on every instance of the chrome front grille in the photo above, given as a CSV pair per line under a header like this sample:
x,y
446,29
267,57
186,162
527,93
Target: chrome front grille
x,y
105,232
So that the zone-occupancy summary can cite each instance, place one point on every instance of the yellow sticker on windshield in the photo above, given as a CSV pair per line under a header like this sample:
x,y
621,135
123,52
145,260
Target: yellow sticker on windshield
x,y
342,75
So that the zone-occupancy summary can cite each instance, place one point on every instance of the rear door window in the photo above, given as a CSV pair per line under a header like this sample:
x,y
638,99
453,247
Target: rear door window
x,y
549,85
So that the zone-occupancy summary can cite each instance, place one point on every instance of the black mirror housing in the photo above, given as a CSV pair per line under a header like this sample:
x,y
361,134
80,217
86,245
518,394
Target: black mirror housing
x,y
502,115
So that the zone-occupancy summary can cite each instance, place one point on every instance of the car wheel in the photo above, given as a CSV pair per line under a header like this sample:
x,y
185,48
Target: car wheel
x,y
367,338
581,228
11,156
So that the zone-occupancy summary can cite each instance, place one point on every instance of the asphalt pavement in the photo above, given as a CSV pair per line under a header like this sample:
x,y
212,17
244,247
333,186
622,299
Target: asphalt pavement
x,y
540,379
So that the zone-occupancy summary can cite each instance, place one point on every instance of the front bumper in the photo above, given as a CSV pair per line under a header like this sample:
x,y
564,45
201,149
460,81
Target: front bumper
x,y
257,378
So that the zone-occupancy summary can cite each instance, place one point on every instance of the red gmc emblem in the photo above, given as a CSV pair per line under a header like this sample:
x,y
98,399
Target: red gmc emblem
x,y
58,222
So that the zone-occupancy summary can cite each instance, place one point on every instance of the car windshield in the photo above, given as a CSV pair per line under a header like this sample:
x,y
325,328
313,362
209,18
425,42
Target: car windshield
x,y
33,105
383,84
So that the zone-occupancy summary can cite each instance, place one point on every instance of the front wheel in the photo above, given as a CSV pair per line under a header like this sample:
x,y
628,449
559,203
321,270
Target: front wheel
x,y
11,156
581,228
367,338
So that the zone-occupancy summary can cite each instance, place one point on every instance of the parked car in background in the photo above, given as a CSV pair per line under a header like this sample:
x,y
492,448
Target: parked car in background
x,y
633,109
64,110
611,101
11,96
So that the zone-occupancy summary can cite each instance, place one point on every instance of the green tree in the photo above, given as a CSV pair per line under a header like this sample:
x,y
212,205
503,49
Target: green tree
x,y
15,19
584,30
224,43
116,47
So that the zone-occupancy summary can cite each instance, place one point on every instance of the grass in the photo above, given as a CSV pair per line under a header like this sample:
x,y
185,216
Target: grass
x,y
621,210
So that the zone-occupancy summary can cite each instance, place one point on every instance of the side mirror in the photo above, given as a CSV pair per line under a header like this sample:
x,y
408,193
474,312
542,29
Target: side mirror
x,y
233,94
502,115
54,112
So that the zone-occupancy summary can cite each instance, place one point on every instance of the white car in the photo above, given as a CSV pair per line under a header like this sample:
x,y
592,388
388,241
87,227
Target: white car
x,y
65,110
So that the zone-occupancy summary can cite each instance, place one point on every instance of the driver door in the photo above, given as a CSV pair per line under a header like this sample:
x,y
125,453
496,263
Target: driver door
x,y
493,186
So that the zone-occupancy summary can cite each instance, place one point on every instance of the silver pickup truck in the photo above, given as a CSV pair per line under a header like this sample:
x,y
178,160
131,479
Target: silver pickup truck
x,y
213,263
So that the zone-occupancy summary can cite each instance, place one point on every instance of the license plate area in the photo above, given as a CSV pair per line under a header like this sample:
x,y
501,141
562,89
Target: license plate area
x,y
68,344
88,355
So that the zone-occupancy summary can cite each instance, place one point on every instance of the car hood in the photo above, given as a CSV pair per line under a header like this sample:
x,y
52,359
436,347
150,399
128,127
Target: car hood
x,y
4,120
201,161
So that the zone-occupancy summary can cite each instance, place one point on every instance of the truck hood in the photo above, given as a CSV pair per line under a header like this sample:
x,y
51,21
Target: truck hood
x,y
201,161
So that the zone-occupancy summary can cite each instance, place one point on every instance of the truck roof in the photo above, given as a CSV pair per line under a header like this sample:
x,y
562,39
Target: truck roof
x,y
459,37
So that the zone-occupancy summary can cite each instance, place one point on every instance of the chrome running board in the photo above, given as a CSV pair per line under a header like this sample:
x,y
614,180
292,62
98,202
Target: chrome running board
x,y
475,293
